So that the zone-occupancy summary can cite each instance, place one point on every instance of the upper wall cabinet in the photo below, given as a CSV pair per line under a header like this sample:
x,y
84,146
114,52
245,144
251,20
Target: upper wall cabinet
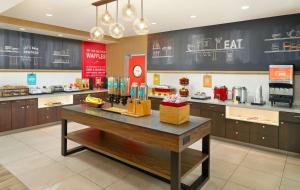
x,y
241,46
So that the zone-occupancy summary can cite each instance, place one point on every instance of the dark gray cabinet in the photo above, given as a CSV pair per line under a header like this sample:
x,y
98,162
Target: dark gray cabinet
x,y
289,132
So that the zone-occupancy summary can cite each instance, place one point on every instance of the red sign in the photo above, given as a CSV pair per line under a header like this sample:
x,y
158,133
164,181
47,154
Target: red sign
x,y
93,60
137,69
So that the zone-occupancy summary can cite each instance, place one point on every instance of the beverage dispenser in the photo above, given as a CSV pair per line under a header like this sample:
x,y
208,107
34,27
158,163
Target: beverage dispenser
x,y
124,89
281,84
110,89
117,95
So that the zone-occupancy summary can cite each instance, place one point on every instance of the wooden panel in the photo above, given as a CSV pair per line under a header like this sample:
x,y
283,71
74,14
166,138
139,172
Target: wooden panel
x,y
289,136
162,140
77,99
238,130
264,135
289,117
5,116
102,2
18,114
154,160
31,112
195,109
219,124
47,115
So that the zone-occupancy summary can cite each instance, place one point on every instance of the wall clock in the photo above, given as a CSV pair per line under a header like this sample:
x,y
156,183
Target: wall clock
x,y
137,71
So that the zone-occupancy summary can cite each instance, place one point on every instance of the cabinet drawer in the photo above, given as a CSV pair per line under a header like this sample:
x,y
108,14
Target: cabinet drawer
x,y
265,130
264,140
213,107
238,130
290,117
32,102
47,115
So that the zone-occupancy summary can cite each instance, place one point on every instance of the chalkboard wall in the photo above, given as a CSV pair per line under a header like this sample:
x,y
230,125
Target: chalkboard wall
x,y
21,50
241,46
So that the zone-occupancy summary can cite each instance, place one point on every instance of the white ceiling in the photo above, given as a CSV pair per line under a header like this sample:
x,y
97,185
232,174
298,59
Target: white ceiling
x,y
168,14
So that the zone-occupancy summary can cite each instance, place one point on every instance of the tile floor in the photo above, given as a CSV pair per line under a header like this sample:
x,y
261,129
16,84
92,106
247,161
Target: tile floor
x,y
34,157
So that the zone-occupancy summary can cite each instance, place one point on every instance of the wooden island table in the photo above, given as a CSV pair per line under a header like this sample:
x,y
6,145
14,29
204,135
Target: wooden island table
x,y
157,148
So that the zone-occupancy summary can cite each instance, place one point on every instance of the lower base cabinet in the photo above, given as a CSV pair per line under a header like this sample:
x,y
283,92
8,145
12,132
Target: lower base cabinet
x,y
238,130
289,136
48,115
5,116
264,135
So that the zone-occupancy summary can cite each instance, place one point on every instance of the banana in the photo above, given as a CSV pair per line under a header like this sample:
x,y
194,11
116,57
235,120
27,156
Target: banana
x,y
94,100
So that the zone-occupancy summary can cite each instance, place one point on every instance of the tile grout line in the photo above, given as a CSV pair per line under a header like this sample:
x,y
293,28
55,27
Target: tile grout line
x,y
238,165
283,170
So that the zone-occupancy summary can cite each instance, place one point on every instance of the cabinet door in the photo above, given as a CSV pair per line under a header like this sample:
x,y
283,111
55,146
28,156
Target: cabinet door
x,y
47,115
18,114
238,130
5,116
289,136
58,113
77,99
195,109
31,112
219,124
264,135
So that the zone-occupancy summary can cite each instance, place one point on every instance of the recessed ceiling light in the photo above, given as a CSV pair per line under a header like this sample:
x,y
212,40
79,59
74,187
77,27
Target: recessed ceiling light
x,y
60,35
22,29
49,14
153,23
193,16
245,7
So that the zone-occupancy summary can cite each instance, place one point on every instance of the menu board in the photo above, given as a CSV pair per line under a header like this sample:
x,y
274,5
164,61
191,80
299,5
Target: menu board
x,y
21,50
241,46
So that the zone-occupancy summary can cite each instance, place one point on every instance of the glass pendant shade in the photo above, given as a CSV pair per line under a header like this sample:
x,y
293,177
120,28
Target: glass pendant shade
x,y
106,18
129,12
97,33
141,26
116,30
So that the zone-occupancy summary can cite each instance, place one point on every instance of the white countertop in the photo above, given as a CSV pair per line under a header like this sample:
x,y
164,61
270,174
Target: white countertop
x,y
294,109
49,95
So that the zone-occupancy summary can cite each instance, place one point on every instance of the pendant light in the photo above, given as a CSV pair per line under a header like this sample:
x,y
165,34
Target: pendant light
x,y
106,18
97,33
140,25
129,12
116,29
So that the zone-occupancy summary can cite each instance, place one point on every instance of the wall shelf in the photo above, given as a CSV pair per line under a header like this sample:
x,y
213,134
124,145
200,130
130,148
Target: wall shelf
x,y
283,51
279,39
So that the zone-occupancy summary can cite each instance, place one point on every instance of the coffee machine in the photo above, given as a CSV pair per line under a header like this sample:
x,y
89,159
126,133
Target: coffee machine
x,y
281,84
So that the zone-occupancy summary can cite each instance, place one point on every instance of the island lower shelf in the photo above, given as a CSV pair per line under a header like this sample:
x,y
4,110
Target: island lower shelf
x,y
140,155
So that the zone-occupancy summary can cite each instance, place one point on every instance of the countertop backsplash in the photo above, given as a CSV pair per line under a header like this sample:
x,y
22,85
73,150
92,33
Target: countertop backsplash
x,y
250,81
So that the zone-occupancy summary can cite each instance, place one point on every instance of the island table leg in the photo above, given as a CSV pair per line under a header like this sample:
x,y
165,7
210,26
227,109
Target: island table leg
x,y
175,170
64,132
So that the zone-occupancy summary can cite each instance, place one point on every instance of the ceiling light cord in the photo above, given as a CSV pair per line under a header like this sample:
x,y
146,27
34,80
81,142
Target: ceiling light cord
x,y
142,10
97,16
117,15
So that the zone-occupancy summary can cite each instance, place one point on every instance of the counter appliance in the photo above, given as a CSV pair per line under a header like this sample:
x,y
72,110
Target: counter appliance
x,y
281,84
239,94
221,93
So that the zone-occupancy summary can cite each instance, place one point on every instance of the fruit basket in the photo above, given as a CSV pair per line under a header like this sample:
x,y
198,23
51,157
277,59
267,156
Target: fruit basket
x,y
95,105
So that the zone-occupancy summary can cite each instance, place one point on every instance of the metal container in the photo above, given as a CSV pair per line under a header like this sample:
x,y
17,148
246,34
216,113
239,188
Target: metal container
x,y
124,86
239,94
116,86
110,85
143,92
134,91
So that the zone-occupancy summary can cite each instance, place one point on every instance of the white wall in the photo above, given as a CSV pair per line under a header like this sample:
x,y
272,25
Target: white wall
x,y
251,82
43,78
